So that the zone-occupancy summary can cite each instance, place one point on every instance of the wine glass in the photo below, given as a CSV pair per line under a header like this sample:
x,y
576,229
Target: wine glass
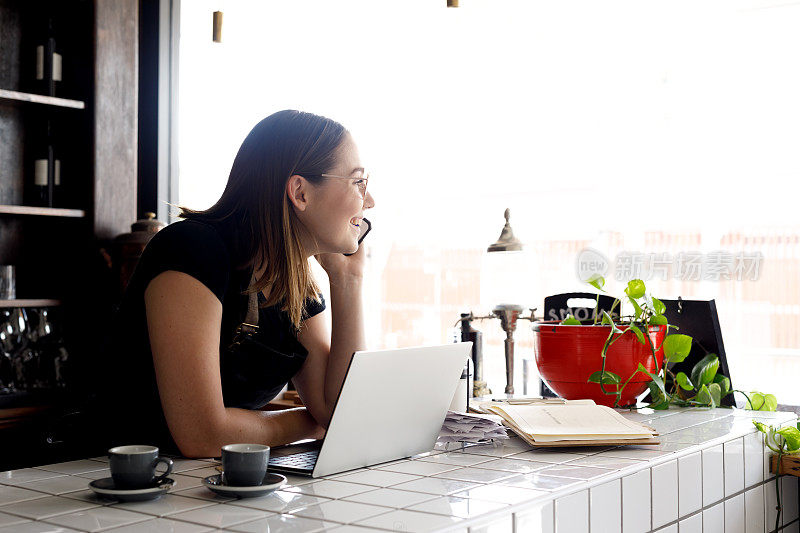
x,y
16,328
50,350
59,364
6,366
43,325
43,364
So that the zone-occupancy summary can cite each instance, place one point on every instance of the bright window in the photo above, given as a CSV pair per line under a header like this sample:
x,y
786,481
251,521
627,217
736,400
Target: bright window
x,y
628,127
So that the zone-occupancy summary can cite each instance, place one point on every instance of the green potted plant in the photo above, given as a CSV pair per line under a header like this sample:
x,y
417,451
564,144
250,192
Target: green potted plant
x,y
613,361
782,441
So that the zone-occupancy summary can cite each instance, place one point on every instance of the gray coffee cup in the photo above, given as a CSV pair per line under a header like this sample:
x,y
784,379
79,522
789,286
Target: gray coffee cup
x,y
244,465
134,467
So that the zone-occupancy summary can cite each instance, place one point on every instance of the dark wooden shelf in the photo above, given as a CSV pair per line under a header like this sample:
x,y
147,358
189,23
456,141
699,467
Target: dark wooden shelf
x,y
41,211
22,407
17,96
29,398
39,302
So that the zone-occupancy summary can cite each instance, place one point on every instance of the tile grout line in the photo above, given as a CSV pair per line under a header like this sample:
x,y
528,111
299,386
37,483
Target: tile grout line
x,y
678,467
714,504
651,495
621,493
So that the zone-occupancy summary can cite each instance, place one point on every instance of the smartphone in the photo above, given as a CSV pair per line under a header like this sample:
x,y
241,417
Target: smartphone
x,y
366,225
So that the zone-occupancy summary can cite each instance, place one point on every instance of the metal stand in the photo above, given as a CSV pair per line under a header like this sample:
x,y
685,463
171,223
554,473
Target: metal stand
x,y
508,314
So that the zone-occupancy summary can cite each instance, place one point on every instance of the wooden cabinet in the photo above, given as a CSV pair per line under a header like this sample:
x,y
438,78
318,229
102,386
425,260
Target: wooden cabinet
x,y
34,238
95,115
60,251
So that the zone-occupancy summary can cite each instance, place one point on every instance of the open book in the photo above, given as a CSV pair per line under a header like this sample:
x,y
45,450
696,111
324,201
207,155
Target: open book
x,y
568,423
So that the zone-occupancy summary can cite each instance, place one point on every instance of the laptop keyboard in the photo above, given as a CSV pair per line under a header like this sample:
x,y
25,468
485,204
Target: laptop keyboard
x,y
302,461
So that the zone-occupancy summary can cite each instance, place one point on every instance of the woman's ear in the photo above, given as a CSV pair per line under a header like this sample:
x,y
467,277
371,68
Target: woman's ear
x,y
297,189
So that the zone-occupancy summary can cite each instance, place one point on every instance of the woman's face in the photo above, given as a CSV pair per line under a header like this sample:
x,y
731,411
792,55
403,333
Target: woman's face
x,y
336,206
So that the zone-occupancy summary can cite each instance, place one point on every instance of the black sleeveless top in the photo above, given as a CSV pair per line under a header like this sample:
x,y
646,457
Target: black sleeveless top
x,y
251,375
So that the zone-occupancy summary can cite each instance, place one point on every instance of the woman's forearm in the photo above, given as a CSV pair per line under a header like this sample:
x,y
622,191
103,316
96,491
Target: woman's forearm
x,y
347,334
244,426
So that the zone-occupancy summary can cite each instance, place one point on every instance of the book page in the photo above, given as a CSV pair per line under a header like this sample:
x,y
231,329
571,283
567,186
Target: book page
x,y
483,406
576,422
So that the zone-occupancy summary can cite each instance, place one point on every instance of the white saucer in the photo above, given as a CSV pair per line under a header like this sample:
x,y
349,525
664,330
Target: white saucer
x,y
105,487
271,482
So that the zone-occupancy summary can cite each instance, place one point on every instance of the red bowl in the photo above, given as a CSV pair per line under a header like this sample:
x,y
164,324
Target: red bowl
x,y
567,355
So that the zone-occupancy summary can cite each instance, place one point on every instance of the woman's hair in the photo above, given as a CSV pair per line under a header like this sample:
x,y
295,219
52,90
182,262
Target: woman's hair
x,y
267,231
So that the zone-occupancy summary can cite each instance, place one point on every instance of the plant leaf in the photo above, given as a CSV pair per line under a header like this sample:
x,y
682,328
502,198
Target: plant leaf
x,y
607,378
637,309
610,321
755,401
658,320
716,393
683,380
770,403
704,371
636,331
570,321
635,289
658,306
792,436
654,391
660,406
597,281
655,379
760,426
704,397
677,347
659,402
724,384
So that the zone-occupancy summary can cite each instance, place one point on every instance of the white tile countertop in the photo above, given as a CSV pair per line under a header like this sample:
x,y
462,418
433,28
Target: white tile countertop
x,y
709,474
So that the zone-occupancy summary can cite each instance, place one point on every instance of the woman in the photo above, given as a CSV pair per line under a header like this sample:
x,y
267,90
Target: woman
x,y
297,189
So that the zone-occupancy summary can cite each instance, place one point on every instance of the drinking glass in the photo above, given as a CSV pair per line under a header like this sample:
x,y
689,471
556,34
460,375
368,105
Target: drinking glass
x,y
6,367
43,325
42,356
8,282
16,327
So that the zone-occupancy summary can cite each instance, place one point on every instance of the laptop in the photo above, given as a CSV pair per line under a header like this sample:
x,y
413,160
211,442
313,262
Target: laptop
x,y
392,405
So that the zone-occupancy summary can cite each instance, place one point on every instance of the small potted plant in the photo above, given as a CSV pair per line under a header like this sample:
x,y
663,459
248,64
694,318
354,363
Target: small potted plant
x,y
614,361
784,442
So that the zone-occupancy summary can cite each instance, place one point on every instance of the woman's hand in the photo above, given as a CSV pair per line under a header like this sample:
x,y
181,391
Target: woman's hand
x,y
318,433
343,269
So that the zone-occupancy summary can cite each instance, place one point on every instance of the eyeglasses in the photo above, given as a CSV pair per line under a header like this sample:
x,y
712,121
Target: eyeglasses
x,y
360,182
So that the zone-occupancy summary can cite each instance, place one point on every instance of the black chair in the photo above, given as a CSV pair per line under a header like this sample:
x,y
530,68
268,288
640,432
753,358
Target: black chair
x,y
699,320
556,307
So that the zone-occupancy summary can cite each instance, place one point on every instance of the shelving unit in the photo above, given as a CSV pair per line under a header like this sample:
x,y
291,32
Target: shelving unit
x,y
17,96
46,243
41,211
63,254
29,303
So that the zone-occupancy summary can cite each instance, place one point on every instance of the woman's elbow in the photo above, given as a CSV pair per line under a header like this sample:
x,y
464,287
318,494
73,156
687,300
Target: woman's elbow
x,y
196,448
197,451
198,440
